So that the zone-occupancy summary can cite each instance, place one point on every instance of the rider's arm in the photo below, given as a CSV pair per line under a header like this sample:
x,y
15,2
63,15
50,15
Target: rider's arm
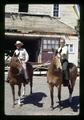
x,y
26,55
64,52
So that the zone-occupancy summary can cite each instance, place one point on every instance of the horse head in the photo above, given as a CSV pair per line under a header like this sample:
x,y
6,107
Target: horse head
x,y
56,60
15,65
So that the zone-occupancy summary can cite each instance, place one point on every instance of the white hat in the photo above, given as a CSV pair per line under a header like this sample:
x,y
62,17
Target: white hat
x,y
18,42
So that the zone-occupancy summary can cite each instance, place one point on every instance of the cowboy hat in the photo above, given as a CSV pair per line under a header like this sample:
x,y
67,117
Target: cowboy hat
x,y
19,42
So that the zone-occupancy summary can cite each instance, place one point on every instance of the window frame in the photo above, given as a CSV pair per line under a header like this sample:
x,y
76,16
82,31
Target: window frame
x,y
55,10
50,45
69,49
21,6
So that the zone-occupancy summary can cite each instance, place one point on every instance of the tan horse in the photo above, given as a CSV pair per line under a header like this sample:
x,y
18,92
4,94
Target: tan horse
x,y
55,76
16,77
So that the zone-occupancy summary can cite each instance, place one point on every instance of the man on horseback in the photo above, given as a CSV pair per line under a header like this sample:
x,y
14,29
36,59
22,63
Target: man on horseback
x,y
23,57
63,51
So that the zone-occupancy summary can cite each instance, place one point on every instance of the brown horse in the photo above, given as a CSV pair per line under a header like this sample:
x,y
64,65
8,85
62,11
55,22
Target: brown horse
x,y
16,77
55,78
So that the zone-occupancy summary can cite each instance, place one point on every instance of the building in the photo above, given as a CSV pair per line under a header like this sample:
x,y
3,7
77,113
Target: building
x,y
40,27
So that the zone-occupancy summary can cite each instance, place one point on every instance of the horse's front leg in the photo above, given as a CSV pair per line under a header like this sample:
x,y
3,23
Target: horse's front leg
x,y
24,90
13,93
19,94
59,95
51,95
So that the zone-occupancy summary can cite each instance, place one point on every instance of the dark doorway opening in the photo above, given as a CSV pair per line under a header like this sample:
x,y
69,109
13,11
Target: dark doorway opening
x,y
33,48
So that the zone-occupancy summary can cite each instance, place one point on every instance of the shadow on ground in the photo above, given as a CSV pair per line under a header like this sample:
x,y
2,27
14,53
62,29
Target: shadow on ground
x,y
34,98
75,104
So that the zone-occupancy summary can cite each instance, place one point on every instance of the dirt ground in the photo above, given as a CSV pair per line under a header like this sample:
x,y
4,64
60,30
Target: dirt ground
x,y
39,102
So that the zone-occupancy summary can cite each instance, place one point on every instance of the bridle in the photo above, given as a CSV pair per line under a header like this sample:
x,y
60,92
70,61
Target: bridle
x,y
59,66
17,66
21,68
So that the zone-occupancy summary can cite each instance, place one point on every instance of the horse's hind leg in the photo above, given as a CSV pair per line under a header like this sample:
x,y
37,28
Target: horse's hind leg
x,y
24,89
51,95
19,94
70,87
13,93
31,83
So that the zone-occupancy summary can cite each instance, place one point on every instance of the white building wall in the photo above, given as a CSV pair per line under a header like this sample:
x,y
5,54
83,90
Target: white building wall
x,y
68,14
42,9
11,7
73,57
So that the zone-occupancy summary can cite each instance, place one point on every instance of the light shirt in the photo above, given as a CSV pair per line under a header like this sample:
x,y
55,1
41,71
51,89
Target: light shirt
x,y
64,52
23,55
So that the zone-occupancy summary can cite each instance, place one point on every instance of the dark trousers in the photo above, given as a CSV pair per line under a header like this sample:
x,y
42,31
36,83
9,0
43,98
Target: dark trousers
x,y
65,69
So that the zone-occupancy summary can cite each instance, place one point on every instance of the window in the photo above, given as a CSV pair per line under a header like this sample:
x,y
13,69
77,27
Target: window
x,y
70,48
49,44
56,10
23,7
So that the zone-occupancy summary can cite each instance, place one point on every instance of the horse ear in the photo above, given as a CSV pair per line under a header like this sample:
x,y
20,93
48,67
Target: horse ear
x,y
53,50
16,54
56,52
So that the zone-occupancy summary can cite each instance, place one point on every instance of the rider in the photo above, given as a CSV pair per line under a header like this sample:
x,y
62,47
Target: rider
x,y
23,56
63,50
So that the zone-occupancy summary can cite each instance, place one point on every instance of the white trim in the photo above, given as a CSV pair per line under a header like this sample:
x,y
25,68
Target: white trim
x,y
59,11
77,10
31,35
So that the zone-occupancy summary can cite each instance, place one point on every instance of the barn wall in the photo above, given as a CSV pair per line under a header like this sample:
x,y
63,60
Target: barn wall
x,y
67,11
68,15
42,9
11,7
73,57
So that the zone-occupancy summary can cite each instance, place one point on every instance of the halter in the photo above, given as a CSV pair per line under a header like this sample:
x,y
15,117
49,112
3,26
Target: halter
x,y
21,66
60,65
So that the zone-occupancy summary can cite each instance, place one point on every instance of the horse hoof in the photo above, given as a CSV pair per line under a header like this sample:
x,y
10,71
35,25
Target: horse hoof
x,y
70,100
51,107
60,108
13,106
23,95
20,104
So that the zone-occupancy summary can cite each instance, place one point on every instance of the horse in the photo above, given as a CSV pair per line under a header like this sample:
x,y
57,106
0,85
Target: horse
x,y
55,78
16,77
